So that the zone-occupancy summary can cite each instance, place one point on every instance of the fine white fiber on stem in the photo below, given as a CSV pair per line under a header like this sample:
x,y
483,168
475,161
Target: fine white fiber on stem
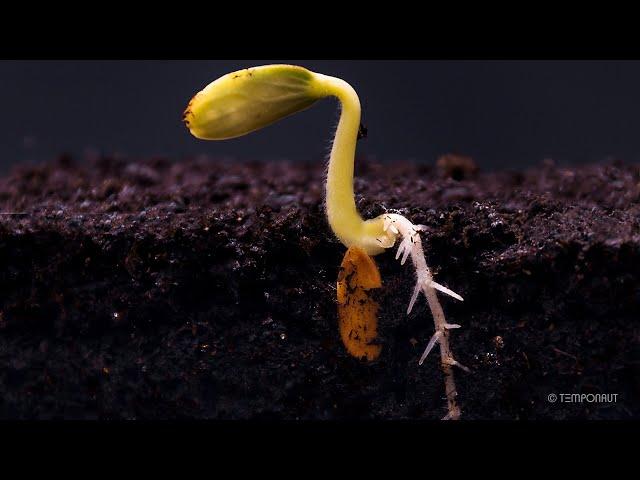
x,y
436,336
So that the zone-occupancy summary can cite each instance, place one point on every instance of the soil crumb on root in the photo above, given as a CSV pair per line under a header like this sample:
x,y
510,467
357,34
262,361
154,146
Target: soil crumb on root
x,y
204,289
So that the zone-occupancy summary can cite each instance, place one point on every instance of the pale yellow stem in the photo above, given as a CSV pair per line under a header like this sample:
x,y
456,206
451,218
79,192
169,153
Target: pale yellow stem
x,y
344,218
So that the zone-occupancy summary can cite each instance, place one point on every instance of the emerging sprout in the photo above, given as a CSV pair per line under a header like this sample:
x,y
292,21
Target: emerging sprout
x,y
247,100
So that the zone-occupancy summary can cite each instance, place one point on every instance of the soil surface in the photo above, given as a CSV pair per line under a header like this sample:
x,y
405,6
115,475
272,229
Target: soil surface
x,y
205,289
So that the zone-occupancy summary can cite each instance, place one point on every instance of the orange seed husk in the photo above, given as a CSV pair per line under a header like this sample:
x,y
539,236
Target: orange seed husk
x,y
357,310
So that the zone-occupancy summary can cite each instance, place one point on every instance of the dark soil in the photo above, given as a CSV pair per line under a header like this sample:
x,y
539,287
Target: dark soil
x,y
203,289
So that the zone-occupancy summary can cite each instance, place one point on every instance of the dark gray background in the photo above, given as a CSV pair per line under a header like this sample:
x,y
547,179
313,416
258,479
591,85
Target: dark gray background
x,y
506,114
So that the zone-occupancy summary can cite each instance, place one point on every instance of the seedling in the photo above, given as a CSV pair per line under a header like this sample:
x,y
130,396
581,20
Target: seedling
x,y
247,100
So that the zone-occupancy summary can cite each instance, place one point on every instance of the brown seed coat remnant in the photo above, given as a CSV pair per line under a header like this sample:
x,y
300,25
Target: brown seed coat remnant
x,y
357,310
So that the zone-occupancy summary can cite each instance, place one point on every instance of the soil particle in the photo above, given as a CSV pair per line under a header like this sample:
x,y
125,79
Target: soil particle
x,y
205,289
457,167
